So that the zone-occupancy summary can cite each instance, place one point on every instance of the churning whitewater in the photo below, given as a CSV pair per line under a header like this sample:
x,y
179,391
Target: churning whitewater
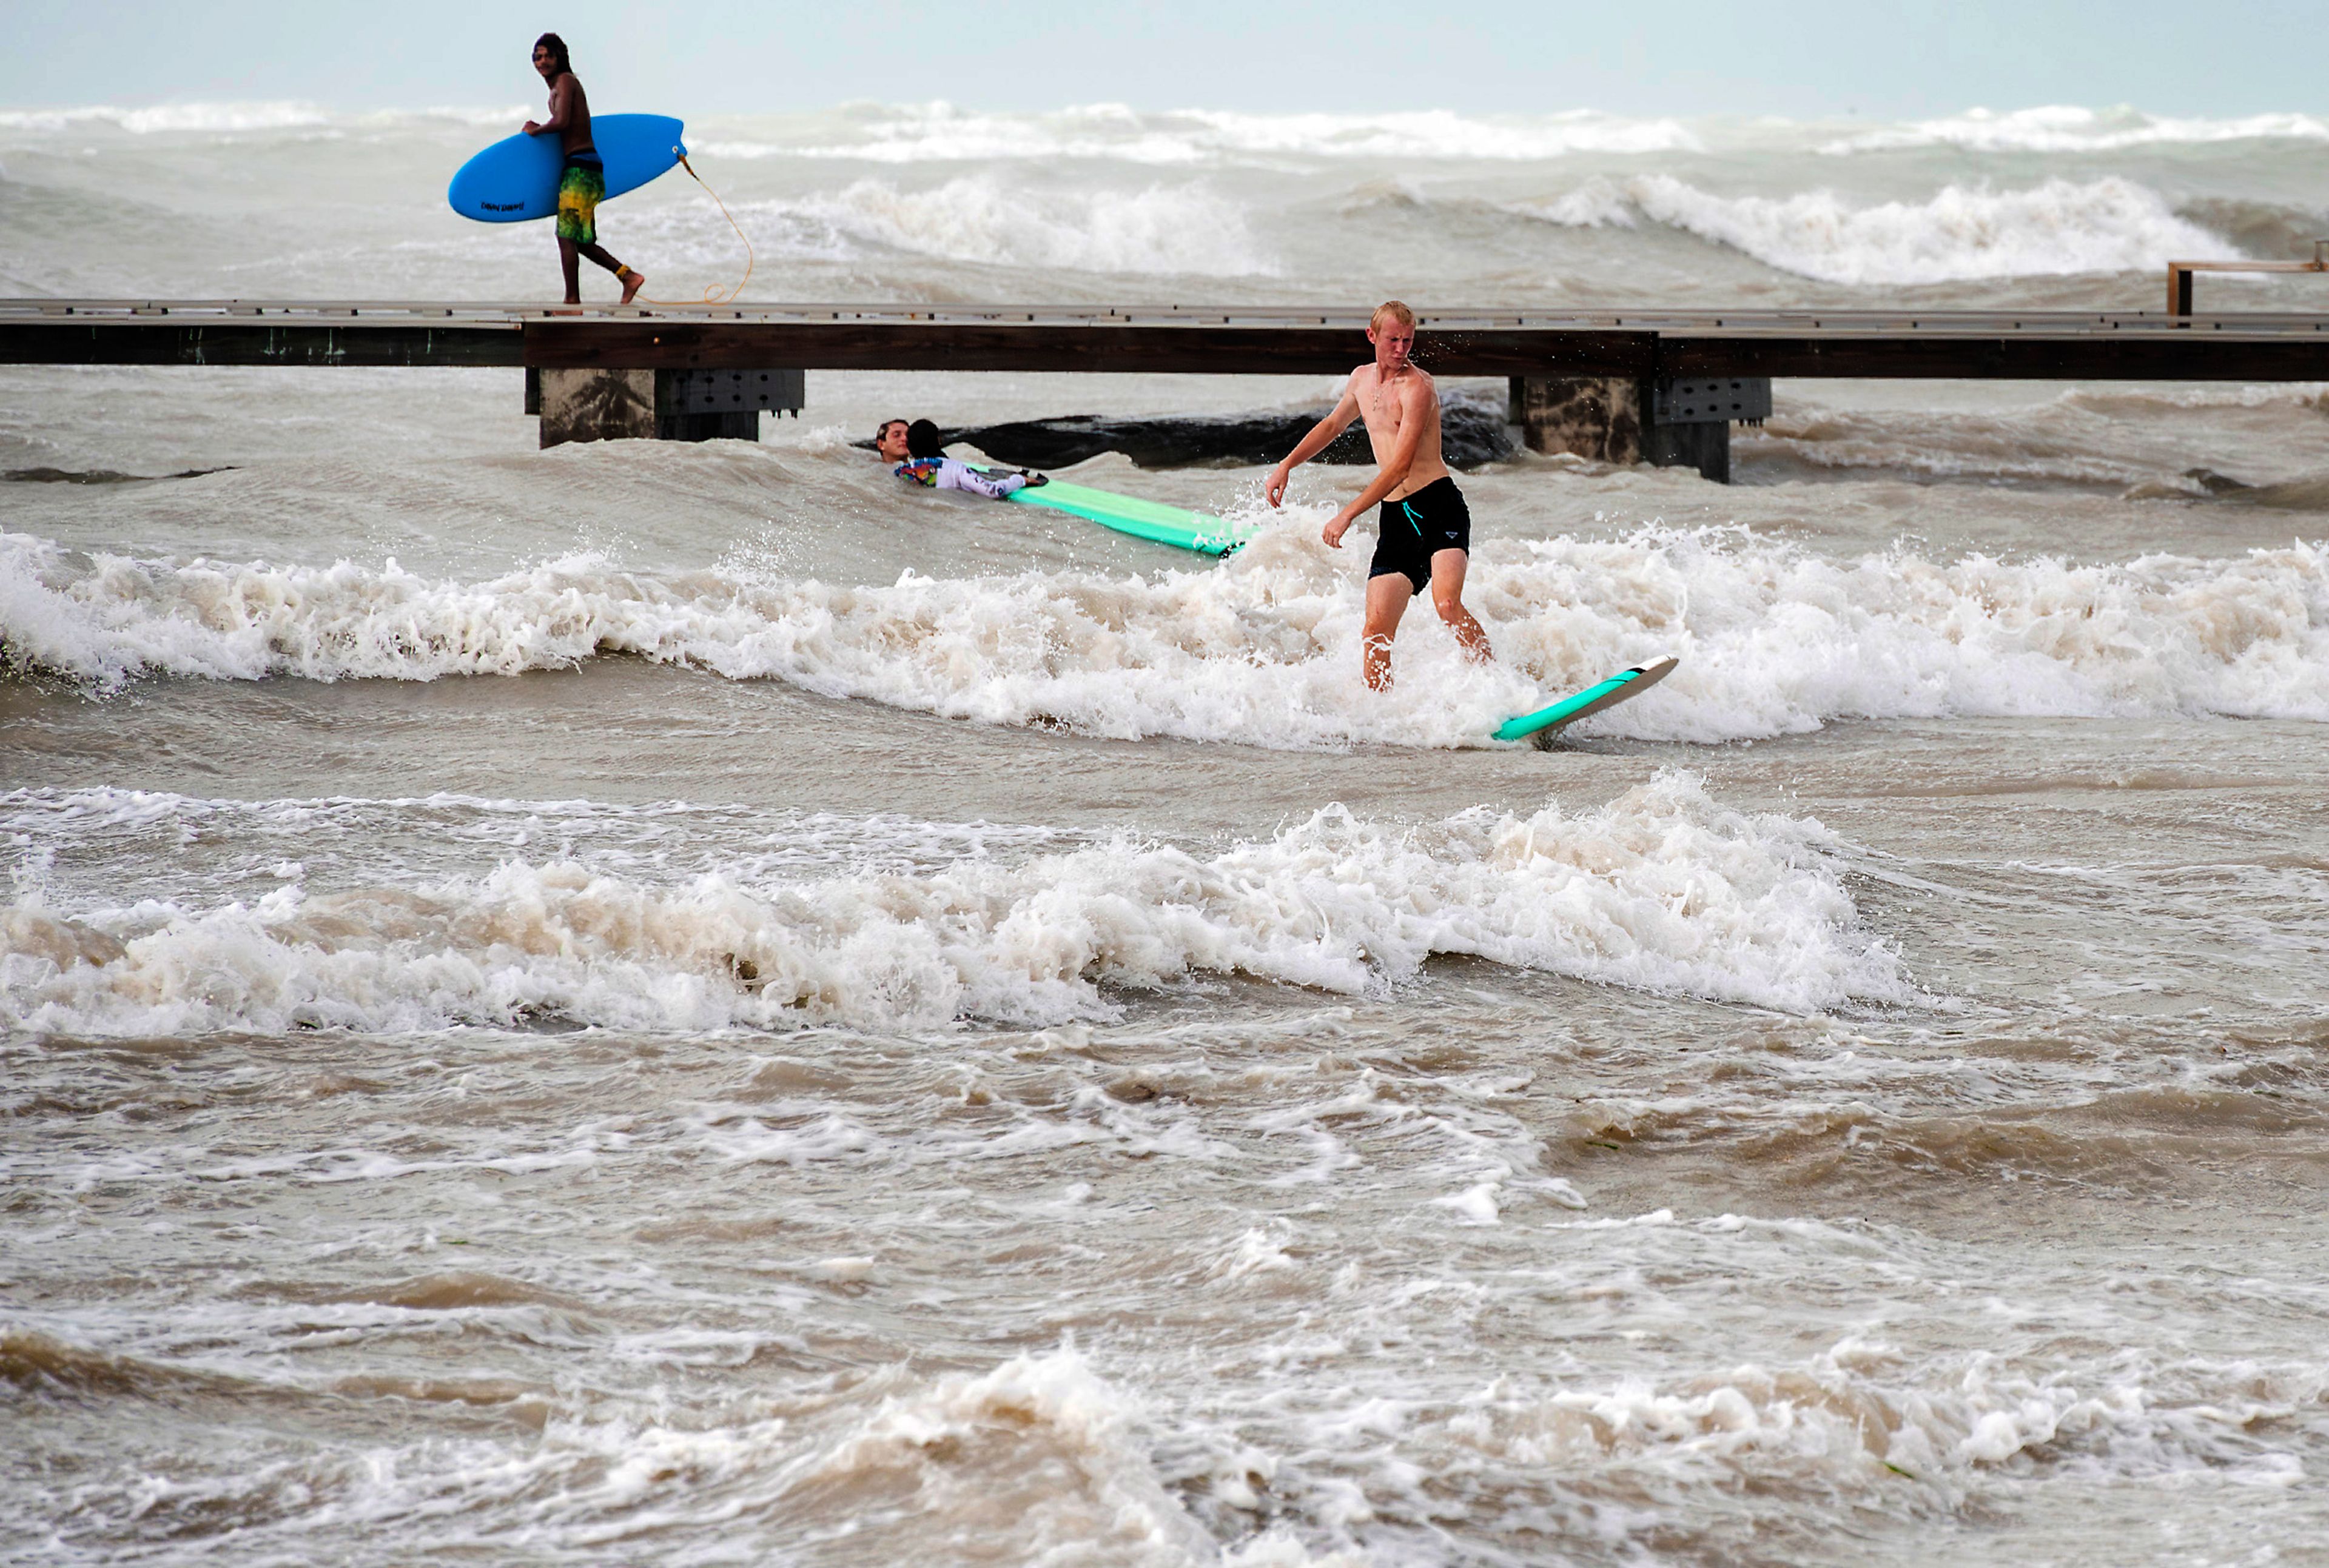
x,y
696,1004
1260,649
1659,889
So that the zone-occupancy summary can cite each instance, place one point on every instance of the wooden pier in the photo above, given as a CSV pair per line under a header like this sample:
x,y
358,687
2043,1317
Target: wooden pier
x,y
1259,340
1602,383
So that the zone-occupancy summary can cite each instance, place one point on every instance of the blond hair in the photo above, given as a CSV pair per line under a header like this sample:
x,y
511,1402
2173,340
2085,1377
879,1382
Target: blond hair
x,y
1395,309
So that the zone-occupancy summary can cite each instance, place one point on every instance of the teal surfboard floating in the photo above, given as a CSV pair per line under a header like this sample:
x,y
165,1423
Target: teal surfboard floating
x,y
1538,728
515,180
1148,519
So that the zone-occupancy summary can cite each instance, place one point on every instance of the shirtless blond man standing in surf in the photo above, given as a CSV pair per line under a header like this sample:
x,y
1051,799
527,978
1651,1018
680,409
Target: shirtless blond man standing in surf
x,y
1423,533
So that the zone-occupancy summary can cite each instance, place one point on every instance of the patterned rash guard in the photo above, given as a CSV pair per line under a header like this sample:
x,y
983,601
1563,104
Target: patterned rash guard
x,y
952,474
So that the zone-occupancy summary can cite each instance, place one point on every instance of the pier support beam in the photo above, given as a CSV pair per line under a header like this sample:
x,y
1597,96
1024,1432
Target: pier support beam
x,y
1673,423
1705,447
664,405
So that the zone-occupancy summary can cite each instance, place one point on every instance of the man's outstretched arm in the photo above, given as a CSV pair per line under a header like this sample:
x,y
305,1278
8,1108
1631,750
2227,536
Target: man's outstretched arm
x,y
1321,436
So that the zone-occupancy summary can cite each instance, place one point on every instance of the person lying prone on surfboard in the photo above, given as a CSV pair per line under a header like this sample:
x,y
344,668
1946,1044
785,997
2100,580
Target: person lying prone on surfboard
x,y
920,456
582,176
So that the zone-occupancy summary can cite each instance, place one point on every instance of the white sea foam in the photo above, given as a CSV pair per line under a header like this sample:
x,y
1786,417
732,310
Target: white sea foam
x,y
1860,1412
1263,650
229,117
1183,230
2064,129
174,118
942,133
2060,227
1660,889
1443,134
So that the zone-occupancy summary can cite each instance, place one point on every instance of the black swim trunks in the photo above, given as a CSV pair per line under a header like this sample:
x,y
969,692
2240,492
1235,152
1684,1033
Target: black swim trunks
x,y
1408,532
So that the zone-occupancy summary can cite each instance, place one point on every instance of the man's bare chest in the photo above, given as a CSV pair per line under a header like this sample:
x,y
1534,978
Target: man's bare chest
x,y
1380,408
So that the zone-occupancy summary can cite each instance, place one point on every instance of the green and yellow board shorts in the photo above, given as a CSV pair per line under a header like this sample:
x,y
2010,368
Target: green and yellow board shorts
x,y
581,186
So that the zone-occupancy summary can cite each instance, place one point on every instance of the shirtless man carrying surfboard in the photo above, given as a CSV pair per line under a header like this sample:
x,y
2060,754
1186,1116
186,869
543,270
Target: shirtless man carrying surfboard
x,y
582,176
1423,534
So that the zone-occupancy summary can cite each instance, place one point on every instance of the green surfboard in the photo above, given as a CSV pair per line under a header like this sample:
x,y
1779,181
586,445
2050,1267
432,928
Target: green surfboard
x,y
1538,728
1149,520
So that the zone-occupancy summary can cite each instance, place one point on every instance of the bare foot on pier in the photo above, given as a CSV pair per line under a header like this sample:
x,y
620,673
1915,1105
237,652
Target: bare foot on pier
x,y
632,282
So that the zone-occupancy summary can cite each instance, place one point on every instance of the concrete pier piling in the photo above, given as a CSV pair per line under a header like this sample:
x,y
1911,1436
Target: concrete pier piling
x,y
658,405
1671,423
1595,416
595,405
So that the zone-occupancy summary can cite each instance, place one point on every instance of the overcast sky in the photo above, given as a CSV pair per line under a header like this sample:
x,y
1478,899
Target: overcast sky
x,y
1801,58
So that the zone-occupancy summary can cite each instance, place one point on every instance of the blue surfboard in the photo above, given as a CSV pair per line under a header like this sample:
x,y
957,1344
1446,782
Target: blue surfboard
x,y
516,179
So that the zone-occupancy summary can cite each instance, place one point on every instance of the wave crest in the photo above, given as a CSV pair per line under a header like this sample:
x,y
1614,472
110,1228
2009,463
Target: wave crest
x,y
2067,129
1660,889
2058,227
1264,650
942,133
227,119
1183,230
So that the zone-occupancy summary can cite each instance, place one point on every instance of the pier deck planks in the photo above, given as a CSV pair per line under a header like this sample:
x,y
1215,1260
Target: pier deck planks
x,y
2029,346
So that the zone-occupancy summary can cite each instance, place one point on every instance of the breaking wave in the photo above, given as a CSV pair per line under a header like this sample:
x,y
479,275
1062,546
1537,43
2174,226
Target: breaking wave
x,y
2064,128
2058,227
1162,229
942,133
1660,889
1264,649
227,119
